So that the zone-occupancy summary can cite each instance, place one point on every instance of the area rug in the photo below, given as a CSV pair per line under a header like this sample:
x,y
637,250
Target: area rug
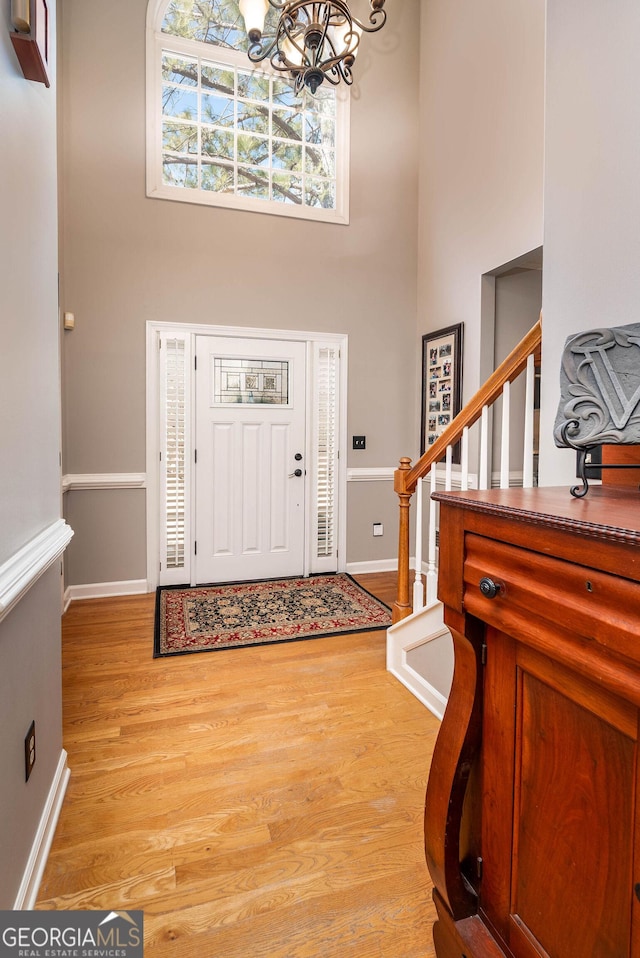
x,y
238,615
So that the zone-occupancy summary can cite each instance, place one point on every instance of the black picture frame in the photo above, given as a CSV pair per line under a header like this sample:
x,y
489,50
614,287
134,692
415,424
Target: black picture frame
x,y
441,384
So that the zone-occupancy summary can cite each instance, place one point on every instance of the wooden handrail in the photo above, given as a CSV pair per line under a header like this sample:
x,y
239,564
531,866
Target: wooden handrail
x,y
407,477
507,371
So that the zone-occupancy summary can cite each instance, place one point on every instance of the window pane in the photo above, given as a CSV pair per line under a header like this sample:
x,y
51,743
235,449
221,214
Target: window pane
x,y
253,86
210,21
287,123
253,149
320,129
179,173
253,117
218,109
180,137
287,156
253,183
217,78
178,102
323,102
179,70
320,161
320,193
286,188
283,93
217,177
251,381
218,143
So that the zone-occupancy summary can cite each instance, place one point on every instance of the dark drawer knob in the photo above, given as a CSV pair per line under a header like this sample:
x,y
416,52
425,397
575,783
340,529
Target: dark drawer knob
x,y
489,588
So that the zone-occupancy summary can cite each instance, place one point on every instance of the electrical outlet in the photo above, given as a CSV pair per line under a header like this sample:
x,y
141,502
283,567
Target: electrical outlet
x,y
378,529
29,751
359,442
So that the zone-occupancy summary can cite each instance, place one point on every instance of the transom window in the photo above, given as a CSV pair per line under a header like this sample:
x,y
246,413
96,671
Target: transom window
x,y
222,133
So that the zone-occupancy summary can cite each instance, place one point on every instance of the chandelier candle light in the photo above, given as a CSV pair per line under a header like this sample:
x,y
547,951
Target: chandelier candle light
x,y
313,42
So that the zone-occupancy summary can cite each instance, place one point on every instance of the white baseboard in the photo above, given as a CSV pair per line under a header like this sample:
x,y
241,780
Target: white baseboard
x,y
100,590
30,884
373,565
380,565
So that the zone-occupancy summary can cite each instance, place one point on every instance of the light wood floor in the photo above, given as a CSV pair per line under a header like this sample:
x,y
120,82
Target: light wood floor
x,y
255,803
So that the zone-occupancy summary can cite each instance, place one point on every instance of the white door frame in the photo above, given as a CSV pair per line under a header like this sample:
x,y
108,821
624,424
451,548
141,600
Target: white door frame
x,y
153,437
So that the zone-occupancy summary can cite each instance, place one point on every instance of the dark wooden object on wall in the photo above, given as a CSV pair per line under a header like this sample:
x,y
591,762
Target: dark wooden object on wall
x,y
32,49
532,823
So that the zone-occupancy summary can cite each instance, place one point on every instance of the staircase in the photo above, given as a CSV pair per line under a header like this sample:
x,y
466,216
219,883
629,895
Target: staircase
x,y
419,646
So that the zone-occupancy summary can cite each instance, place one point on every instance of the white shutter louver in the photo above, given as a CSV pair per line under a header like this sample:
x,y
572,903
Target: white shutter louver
x,y
326,397
174,466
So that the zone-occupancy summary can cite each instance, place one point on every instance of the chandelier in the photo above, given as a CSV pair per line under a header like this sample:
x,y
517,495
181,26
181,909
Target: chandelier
x,y
313,42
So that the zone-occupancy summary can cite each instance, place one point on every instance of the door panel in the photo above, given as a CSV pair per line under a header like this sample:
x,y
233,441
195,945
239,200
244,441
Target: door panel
x,y
250,424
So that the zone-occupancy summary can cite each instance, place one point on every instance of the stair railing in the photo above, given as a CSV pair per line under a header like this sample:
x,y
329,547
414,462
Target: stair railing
x,y
524,358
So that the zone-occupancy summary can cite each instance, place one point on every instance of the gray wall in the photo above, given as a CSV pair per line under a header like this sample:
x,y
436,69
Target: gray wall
x,y
129,259
481,160
30,430
592,198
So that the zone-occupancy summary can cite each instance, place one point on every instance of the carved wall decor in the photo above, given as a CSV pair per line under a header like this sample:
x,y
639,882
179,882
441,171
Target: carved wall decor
x,y
600,388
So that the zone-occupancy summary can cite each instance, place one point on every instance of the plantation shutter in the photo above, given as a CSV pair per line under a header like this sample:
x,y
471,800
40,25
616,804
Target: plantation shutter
x,y
174,460
325,554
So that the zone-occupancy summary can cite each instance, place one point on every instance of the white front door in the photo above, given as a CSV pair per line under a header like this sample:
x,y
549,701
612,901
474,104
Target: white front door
x,y
250,459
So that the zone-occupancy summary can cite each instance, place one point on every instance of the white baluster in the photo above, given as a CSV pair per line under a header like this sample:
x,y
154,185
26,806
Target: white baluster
x,y
432,572
483,479
418,590
448,469
464,460
504,443
527,468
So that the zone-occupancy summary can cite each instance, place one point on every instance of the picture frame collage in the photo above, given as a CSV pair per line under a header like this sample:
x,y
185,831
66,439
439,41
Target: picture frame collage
x,y
441,383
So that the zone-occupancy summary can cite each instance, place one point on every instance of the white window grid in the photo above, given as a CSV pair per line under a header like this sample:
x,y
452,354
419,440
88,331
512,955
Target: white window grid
x,y
161,45
276,178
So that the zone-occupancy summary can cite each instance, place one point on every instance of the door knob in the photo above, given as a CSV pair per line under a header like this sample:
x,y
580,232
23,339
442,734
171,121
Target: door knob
x,y
489,588
298,456
296,472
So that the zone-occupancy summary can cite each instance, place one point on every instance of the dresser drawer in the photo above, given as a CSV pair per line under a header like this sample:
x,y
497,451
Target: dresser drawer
x,y
532,589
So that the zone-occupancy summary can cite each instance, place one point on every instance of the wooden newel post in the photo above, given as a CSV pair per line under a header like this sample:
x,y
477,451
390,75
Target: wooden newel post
x,y
402,606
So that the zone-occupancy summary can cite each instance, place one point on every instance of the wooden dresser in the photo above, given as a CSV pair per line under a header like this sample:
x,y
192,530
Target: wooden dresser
x,y
532,822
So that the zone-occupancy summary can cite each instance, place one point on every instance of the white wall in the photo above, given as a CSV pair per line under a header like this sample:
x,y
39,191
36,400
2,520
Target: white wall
x,y
592,191
29,449
481,159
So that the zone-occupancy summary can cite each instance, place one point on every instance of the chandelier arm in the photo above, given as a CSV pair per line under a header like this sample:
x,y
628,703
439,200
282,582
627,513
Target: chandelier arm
x,y
261,49
287,28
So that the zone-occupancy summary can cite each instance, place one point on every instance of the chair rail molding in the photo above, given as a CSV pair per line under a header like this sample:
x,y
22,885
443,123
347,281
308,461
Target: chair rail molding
x,y
25,567
371,474
104,480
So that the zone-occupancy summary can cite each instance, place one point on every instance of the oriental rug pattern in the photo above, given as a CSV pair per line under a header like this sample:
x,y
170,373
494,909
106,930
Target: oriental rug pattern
x,y
236,615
